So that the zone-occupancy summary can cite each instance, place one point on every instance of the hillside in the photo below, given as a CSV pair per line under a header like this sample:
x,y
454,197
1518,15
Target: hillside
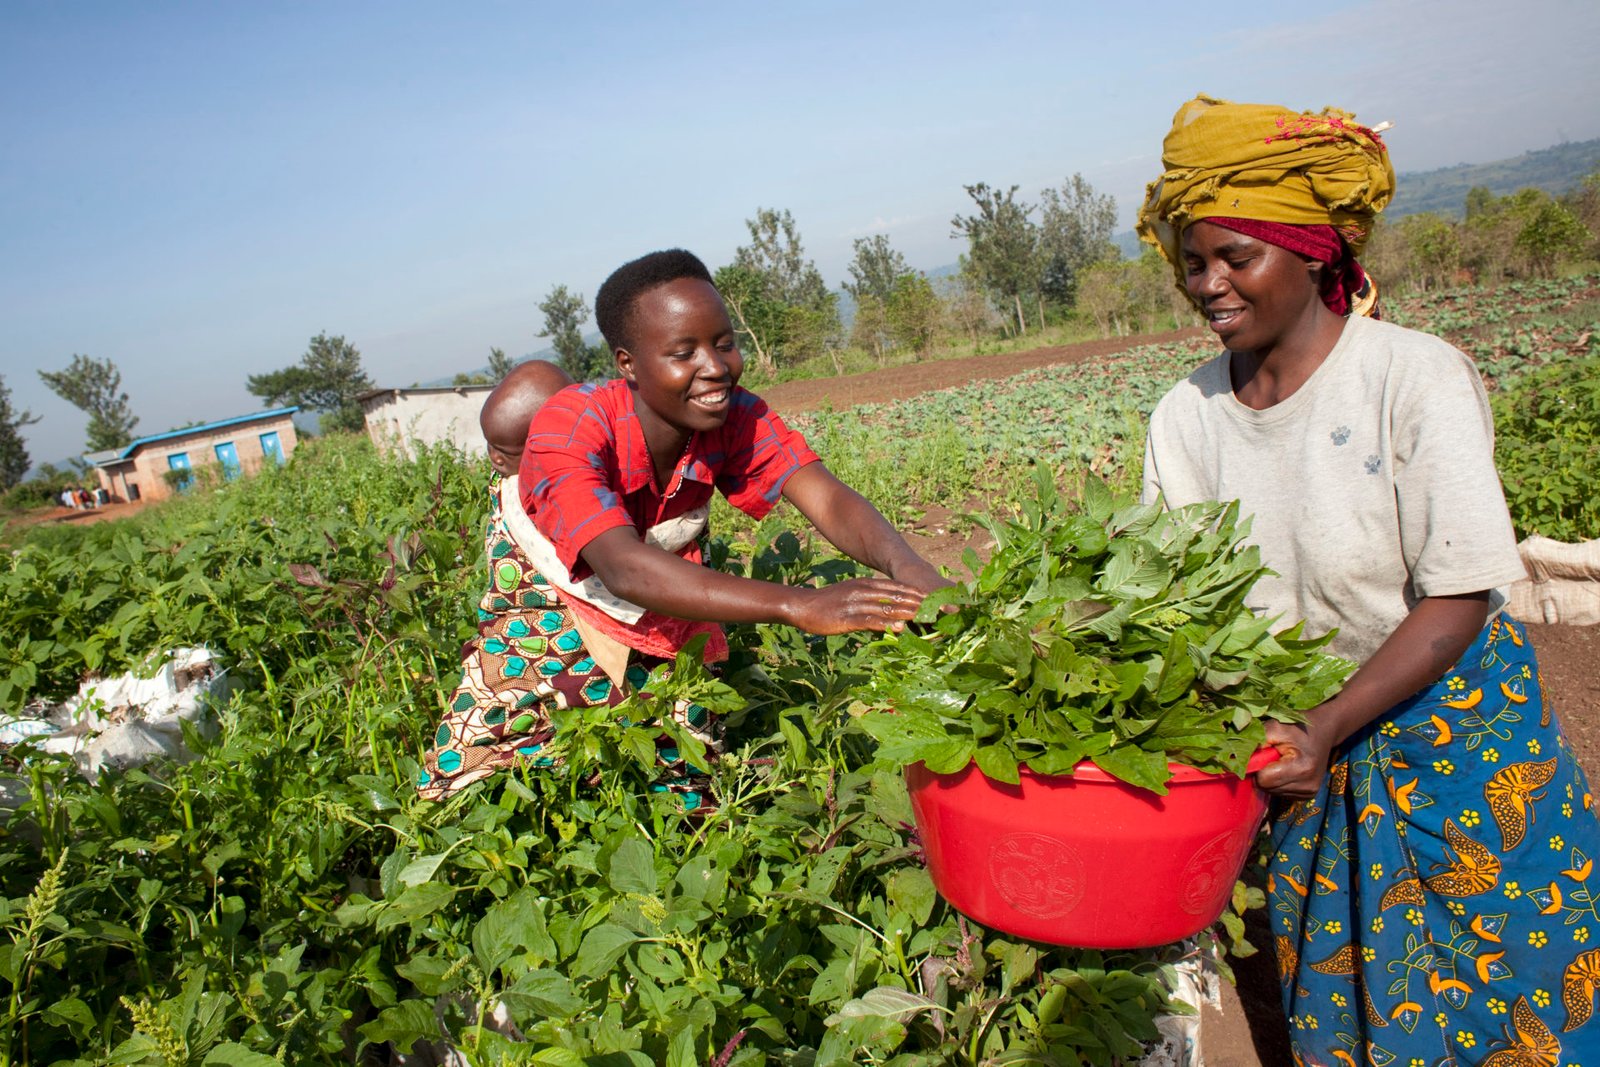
x,y
1555,170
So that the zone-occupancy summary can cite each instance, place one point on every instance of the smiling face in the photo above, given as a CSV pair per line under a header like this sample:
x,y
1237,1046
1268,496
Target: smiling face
x,y
682,361
1255,295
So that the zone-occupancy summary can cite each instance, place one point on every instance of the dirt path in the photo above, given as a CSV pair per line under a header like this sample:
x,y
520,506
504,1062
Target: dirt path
x,y
909,379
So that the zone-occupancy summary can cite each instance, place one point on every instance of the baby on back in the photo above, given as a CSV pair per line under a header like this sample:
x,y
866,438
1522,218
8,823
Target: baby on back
x,y
515,666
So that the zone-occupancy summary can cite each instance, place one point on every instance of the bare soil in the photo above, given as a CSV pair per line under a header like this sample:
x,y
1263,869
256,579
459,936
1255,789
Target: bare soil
x,y
909,379
1249,1031
77,516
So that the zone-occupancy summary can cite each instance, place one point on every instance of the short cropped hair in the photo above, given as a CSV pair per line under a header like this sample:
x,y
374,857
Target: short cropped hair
x,y
613,304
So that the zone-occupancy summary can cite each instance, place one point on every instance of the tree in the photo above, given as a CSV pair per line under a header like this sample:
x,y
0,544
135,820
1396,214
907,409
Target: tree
x,y
1584,202
564,313
913,312
776,296
95,387
870,329
777,256
14,461
964,304
1075,226
1106,292
1002,243
500,365
1551,234
758,319
1434,247
327,380
875,269
1480,201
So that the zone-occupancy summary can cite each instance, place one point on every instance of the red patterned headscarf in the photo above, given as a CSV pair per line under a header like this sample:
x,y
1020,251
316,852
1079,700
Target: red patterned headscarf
x,y
1344,283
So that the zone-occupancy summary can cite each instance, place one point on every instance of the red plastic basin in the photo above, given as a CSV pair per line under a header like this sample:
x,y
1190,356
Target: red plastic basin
x,y
1087,859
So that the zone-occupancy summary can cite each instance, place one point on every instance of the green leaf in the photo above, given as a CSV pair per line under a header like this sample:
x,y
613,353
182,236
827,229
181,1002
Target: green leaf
x,y
883,1002
1135,766
508,926
633,868
542,994
417,902
233,1054
996,762
601,949
403,1025
72,1013
910,890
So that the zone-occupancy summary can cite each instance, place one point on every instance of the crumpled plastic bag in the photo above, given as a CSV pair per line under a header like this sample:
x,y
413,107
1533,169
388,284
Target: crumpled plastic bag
x,y
128,720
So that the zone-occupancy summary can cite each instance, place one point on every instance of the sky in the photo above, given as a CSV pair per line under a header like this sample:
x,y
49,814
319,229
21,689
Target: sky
x,y
195,190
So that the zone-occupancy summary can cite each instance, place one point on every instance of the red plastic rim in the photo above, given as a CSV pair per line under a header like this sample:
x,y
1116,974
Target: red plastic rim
x,y
1181,772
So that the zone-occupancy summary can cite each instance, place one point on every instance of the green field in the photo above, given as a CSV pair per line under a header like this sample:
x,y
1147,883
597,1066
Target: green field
x,y
285,898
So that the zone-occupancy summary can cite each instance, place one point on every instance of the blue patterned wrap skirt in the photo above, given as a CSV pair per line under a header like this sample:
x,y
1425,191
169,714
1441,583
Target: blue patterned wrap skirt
x,y
1437,903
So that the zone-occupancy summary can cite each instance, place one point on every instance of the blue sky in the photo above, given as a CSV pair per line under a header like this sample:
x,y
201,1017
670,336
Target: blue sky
x,y
195,190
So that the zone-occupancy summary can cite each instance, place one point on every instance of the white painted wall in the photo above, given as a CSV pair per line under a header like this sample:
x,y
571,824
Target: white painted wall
x,y
398,418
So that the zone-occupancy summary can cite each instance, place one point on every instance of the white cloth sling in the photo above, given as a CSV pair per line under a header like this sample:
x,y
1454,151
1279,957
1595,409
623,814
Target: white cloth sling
x,y
609,653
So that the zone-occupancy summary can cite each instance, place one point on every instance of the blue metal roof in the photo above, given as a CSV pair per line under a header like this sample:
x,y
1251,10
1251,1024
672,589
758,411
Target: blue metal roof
x,y
188,431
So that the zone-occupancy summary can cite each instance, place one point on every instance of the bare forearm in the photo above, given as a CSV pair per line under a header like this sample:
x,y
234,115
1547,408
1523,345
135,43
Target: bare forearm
x,y
670,585
853,526
1427,643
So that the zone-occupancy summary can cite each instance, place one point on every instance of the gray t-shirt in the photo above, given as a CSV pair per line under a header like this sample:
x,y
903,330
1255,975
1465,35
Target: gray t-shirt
x,y
1371,487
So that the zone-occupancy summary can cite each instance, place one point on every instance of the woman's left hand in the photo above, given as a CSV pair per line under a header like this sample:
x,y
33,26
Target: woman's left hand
x,y
922,575
1304,752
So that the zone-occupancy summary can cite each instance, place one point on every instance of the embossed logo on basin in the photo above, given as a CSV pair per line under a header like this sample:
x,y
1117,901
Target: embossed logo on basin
x,y
1202,877
1036,874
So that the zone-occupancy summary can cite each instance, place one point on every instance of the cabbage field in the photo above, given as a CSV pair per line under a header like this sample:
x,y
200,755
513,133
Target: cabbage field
x,y
284,898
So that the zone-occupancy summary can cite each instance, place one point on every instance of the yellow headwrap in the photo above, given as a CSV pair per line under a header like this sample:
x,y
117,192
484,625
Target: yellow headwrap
x,y
1257,161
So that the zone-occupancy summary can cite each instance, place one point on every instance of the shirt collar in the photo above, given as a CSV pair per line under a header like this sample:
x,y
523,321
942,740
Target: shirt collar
x,y
637,472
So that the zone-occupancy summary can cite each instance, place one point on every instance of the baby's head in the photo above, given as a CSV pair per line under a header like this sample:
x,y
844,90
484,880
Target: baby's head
x,y
510,407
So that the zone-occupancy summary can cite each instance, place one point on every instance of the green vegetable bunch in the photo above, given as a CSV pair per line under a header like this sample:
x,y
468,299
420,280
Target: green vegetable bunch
x,y
1118,634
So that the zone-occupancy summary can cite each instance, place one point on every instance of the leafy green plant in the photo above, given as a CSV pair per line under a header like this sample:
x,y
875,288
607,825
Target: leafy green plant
x,y
1119,635
1547,448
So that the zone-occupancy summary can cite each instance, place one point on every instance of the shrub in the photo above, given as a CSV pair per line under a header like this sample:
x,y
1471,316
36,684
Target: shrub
x,y
1547,426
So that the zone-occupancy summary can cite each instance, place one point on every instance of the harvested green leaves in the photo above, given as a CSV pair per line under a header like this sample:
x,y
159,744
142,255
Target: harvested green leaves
x,y
1118,634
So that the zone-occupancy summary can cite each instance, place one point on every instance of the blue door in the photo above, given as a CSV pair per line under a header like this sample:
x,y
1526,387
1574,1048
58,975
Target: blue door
x,y
179,461
228,456
271,448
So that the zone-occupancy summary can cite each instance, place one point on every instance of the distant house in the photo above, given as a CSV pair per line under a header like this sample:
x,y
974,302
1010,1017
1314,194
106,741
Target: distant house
x,y
397,419
153,468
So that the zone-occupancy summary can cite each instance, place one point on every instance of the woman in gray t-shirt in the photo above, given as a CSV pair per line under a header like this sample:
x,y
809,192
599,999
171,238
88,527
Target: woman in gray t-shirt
x,y
1431,891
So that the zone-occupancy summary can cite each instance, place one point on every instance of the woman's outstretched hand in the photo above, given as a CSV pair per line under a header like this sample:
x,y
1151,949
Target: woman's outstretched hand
x,y
856,604
921,575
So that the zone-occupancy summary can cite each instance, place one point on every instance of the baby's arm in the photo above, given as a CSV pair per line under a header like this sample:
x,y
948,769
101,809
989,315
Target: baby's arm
x,y
671,585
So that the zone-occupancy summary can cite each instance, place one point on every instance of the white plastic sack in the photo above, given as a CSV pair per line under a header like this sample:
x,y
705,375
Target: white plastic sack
x,y
1563,583
127,721
1196,983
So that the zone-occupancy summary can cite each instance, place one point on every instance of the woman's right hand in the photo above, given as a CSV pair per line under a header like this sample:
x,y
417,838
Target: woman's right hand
x,y
856,604
1304,752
